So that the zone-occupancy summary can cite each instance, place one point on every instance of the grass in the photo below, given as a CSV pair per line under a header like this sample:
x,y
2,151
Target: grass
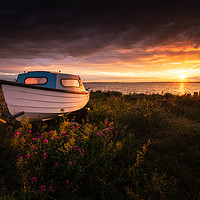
x,y
126,147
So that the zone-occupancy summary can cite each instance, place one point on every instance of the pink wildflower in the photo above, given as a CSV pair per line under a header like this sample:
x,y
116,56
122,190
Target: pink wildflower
x,y
4,188
34,179
67,135
72,127
75,137
45,141
82,154
67,181
43,187
78,149
63,133
36,153
50,189
33,139
58,138
25,180
75,146
45,154
70,162
50,131
17,133
87,133
18,156
27,156
106,122
32,147
56,164
30,131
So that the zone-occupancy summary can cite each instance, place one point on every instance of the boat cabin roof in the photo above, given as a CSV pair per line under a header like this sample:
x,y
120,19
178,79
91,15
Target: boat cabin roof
x,y
51,80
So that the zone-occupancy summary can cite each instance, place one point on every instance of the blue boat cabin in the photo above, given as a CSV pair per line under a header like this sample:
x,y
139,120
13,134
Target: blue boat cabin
x,y
51,80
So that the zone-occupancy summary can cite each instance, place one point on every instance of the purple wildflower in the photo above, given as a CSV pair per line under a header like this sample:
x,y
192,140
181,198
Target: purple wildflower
x,y
1,180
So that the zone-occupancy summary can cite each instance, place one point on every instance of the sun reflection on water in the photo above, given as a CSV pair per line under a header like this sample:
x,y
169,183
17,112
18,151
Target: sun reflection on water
x,y
182,89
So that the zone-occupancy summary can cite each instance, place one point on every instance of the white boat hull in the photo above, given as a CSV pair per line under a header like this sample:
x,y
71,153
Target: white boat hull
x,y
41,104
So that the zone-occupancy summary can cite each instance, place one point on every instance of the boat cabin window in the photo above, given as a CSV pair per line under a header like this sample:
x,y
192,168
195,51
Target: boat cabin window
x,y
36,80
70,83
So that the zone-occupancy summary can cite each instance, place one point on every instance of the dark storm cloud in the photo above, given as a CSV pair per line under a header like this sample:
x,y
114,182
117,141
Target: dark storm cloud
x,y
57,29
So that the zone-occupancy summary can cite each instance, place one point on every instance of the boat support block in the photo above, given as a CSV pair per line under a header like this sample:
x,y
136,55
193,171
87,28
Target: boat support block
x,y
17,115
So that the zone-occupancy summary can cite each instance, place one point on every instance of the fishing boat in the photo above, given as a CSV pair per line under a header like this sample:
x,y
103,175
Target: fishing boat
x,y
43,95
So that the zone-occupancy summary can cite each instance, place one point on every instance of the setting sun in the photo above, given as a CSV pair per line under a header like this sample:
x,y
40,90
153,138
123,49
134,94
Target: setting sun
x,y
182,76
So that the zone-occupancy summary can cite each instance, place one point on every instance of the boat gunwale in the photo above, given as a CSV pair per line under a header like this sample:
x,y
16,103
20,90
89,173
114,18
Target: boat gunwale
x,y
41,88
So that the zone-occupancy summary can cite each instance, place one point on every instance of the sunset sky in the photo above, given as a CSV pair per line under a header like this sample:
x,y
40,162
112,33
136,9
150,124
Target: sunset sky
x,y
131,41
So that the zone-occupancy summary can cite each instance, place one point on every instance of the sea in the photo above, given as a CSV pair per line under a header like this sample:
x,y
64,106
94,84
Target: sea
x,y
177,88
146,87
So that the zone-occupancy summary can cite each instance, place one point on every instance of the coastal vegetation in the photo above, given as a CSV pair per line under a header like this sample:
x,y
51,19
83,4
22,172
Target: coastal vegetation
x,y
132,146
